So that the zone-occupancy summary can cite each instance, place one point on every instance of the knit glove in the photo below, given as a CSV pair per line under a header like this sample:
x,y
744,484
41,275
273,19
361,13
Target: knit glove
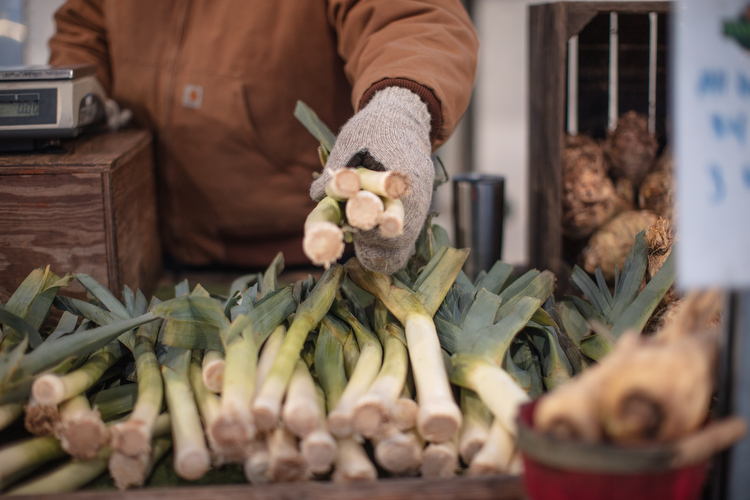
x,y
392,132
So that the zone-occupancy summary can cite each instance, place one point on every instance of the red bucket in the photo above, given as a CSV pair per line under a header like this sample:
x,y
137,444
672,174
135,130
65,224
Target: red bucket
x,y
563,470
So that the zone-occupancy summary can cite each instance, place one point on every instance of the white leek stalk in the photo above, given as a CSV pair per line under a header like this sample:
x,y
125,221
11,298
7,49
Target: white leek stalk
x,y
352,463
267,405
191,457
301,413
213,370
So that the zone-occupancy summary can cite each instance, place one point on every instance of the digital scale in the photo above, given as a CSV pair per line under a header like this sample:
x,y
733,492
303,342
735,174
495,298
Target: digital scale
x,y
39,105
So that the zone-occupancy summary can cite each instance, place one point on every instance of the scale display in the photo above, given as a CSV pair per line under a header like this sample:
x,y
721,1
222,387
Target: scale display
x,y
27,106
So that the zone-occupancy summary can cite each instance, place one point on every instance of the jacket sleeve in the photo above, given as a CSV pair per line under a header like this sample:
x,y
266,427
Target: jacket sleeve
x,y
81,37
428,47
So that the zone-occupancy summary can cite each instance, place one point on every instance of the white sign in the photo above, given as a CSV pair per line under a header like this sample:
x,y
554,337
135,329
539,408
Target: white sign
x,y
711,121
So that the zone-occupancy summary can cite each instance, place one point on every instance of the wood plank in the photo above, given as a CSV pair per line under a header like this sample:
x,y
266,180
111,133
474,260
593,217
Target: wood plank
x,y
91,152
51,219
581,13
484,488
135,231
548,50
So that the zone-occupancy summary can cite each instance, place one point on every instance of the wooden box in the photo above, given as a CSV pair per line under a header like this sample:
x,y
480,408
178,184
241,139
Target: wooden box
x,y
89,209
551,26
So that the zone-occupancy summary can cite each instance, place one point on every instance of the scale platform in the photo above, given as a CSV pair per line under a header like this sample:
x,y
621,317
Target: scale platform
x,y
42,104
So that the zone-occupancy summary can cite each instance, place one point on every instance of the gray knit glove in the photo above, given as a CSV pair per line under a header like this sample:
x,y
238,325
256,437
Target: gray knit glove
x,y
391,133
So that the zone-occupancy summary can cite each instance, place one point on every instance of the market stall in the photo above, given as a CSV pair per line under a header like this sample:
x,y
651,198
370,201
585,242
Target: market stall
x,y
612,368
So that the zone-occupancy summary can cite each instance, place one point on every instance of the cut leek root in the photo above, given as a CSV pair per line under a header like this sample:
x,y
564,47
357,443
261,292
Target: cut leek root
x,y
392,221
131,471
267,405
497,454
364,210
81,431
52,389
343,184
257,462
440,460
352,462
319,447
133,437
213,370
476,426
286,463
40,419
75,474
389,184
399,452
323,242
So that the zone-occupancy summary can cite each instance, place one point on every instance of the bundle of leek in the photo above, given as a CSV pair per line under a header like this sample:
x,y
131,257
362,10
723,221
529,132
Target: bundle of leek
x,y
370,199
478,325
439,417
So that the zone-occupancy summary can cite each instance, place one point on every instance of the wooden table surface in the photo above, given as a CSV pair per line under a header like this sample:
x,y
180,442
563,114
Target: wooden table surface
x,y
460,488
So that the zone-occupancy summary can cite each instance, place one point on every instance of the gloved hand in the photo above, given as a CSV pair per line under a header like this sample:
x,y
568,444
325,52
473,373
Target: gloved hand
x,y
392,132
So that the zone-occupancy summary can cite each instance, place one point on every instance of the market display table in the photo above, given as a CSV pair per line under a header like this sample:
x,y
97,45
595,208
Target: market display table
x,y
88,209
463,488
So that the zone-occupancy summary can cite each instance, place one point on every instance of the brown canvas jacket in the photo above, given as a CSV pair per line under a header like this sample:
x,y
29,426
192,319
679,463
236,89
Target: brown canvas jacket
x,y
217,82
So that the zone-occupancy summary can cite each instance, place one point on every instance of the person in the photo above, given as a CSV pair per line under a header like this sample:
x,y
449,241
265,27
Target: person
x,y
216,81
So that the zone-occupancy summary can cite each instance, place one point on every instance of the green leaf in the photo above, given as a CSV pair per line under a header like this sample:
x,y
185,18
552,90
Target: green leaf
x,y
596,347
493,341
572,322
66,325
315,125
640,310
480,315
81,343
87,310
10,360
587,310
585,284
103,295
603,285
629,285
496,277
541,287
21,326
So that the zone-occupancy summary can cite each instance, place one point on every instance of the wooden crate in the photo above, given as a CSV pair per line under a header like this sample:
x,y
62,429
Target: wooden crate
x,y
90,209
551,25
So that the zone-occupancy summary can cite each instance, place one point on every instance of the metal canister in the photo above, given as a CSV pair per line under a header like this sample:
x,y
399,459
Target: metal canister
x,y
478,210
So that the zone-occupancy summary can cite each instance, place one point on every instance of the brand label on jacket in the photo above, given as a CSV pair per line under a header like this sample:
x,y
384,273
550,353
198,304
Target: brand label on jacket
x,y
192,96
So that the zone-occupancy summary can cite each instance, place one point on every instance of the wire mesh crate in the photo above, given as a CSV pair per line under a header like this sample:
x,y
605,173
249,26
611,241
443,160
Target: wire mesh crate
x,y
589,63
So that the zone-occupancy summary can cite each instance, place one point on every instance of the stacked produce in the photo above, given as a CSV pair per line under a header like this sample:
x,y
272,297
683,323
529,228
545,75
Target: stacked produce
x,y
354,376
612,190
